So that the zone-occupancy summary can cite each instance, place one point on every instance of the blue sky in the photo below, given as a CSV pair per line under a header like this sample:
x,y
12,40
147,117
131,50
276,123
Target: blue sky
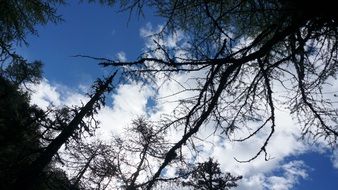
x,y
88,29
92,29
321,174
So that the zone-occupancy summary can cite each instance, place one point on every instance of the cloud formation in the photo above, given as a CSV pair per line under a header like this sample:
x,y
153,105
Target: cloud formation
x,y
131,100
121,56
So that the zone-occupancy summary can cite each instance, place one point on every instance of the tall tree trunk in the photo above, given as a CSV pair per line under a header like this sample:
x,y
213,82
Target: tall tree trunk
x,y
31,175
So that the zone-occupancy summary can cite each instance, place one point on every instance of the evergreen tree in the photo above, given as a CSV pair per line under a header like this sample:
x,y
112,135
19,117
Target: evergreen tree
x,y
208,176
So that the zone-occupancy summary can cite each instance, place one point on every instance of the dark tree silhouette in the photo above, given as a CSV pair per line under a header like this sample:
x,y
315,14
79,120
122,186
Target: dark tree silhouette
x,y
129,161
208,176
243,52
17,19
31,173
126,162
20,137
18,131
239,53
31,137
92,164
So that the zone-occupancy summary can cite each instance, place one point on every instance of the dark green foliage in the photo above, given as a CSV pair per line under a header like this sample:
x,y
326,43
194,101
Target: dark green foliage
x,y
20,135
19,17
18,132
208,176
19,71
20,138
25,130
235,88
32,174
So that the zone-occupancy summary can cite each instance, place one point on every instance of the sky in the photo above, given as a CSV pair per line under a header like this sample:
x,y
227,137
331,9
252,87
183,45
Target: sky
x,y
95,30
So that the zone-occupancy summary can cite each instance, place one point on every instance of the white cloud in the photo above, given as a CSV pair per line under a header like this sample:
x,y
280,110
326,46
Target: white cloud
x,y
130,101
335,158
44,94
121,56
148,30
292,173
252,182
258,173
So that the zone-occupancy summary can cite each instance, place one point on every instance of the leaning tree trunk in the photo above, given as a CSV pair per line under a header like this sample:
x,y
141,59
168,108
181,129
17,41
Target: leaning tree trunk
x,y
31,175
